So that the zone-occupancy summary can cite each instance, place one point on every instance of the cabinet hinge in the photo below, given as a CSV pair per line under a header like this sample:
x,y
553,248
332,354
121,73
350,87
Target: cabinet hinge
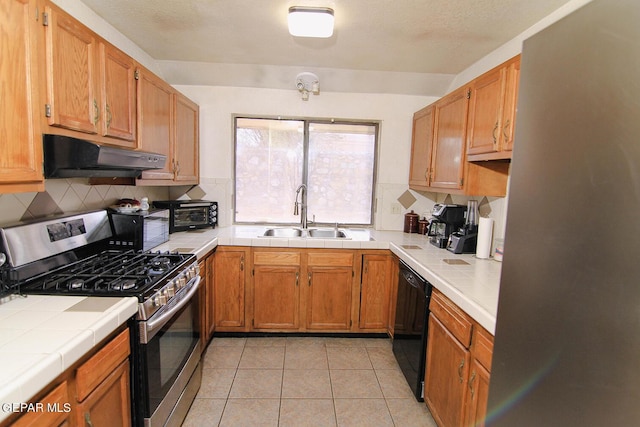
x,y
461,182
253,271
47,110
45,19
136,75
468,93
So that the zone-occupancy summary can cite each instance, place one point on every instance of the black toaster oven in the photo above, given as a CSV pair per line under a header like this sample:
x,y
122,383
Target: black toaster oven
x,y
187,215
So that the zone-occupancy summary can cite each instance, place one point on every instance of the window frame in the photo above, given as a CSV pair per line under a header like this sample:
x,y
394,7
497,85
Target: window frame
x,y
305,166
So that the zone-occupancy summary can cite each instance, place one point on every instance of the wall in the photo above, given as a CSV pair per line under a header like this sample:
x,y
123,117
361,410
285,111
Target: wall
x,y
394,112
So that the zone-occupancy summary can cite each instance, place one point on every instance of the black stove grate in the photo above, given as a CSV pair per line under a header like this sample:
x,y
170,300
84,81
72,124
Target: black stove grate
x,y
110,272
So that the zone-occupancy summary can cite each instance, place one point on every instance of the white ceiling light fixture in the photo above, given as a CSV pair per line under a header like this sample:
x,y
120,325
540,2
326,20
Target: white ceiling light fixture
x,y
307,83
310,21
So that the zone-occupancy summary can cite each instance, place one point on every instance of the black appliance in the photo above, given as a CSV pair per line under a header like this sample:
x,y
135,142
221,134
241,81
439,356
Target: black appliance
x,y
410,327
445,220
71,255
188,215
66,157
142,230
464,241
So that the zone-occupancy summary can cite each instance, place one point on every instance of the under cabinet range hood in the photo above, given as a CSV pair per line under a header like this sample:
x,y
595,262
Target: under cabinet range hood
x,y
66,157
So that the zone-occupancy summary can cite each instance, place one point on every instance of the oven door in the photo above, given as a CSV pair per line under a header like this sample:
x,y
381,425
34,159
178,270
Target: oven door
x,y
193,215
168,370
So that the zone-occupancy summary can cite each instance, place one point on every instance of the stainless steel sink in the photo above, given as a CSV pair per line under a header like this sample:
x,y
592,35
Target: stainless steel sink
x,y
328,233
283,232
317,233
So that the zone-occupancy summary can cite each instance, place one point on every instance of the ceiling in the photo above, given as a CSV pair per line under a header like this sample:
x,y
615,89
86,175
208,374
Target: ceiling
x,y
246,42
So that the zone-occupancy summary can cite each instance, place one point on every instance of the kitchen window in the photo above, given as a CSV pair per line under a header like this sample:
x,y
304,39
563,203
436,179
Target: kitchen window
x,y
335,160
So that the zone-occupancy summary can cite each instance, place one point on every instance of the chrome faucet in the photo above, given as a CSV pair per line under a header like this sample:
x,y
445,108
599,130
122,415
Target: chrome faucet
x,y
302,204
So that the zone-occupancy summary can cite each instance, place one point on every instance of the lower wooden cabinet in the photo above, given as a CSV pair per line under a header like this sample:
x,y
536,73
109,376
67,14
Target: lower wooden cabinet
x,y
458,365
229,277
286,290
445,375
276,290
330,284
95,393
375,291
108,404
58,398
207,322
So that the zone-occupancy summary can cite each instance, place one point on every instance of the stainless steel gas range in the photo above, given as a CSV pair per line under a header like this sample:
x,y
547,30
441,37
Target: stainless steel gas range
x,y
70,255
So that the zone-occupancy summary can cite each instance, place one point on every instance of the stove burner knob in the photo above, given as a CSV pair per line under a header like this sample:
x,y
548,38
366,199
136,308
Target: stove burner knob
x,y
162,299
170,291
182,282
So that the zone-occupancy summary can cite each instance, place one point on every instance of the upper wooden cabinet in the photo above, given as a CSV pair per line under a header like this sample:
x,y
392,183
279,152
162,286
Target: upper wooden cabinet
x,y
90,86
449,137
492,113
186,140
20,133
453,137
167,124
118,94
421,143
155,104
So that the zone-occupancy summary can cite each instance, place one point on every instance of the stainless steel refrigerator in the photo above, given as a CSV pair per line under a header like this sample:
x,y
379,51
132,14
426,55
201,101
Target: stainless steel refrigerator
x,y
567,347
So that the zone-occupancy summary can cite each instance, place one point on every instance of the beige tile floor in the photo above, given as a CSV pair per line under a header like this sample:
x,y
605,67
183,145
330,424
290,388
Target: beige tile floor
x,y
304,381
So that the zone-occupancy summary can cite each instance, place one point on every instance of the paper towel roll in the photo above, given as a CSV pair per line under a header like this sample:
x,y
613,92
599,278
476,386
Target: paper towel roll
x,y
485,233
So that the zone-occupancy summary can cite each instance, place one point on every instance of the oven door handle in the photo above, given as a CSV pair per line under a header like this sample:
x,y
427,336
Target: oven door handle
x,y
148,329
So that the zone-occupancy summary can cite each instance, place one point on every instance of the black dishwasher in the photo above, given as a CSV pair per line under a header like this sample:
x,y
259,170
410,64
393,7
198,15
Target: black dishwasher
x,y
410,329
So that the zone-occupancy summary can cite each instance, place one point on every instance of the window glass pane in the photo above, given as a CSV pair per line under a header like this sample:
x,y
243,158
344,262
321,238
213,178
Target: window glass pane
x,y
269,159
340,172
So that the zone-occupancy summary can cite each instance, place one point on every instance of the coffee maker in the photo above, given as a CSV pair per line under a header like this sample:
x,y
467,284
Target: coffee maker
x,y
464,241
445,220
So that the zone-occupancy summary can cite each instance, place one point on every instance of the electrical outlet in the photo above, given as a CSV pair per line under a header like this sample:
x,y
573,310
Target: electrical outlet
x,y
395,208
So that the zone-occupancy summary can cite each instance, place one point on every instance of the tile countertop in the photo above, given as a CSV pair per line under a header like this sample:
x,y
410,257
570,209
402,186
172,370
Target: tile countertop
x,y
41,336
473,285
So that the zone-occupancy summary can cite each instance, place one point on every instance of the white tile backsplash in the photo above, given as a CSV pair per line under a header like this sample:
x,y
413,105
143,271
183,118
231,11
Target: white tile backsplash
x,y
73,195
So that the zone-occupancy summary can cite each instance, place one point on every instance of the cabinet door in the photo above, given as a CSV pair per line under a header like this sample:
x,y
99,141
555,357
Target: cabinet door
x,y
71,70
154,122
477,395
205,309
421,141
485,112
510,103
276,296
109,404
21,147
186,140
329,297
447,159
58,398
118,94
446,375
375,291
229,287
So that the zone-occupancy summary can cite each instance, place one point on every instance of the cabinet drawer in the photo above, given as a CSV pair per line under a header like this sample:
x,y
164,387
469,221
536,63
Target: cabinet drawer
x,y
96,369
482,347
57,399
454,319
276,258
330,259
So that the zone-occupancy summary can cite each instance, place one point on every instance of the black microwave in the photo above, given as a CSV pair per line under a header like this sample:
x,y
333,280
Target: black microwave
x,y
187,215
141,230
